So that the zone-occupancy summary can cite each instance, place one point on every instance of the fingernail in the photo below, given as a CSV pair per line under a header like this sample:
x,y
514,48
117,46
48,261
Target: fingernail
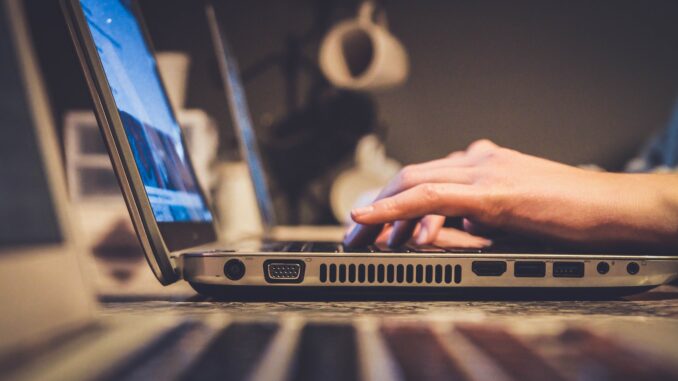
x,y
363,211
423,236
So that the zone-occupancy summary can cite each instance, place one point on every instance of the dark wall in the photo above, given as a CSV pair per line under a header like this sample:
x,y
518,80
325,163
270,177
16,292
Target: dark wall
x,y
582,81
576,81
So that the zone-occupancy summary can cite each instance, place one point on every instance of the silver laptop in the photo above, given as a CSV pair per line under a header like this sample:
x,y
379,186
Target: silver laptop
x,y
250,152
49,328
176,227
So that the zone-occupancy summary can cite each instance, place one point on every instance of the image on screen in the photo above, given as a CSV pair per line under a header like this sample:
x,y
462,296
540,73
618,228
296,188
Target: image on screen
x,y
152,130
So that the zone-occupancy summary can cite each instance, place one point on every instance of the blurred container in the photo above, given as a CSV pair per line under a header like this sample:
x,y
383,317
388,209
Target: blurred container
x,y
173,67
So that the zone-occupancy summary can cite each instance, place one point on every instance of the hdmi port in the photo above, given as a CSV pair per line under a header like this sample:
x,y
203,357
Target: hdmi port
x,y
488,268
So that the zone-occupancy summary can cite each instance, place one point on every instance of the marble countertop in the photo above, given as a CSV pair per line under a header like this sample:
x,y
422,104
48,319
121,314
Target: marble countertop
x,y
642,327
661,302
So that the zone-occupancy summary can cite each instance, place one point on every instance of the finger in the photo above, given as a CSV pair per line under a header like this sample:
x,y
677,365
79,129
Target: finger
x,y
402,232
424,199
455,159
453,238
385,233
478,228
362,235
414,176
430,226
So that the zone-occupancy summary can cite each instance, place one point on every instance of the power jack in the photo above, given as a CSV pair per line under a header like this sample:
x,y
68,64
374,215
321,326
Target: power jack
x,y
633,268
234,269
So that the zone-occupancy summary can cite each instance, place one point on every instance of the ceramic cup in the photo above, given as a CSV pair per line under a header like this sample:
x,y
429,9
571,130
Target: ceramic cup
x,y
173,67
362,54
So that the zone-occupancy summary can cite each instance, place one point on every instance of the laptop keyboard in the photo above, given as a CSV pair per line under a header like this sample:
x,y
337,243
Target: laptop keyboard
x,y
398,350
233,353
326,352
420,354
337,247
506,246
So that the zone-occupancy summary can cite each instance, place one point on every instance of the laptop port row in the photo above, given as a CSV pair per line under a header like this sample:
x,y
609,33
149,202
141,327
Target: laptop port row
x,y
529,269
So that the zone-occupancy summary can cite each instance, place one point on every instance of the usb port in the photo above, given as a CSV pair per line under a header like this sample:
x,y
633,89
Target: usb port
x,y
568,269
529,269
488,268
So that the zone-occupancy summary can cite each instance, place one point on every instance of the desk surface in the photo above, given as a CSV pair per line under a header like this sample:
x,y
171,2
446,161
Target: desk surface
x,y
568,335
661,302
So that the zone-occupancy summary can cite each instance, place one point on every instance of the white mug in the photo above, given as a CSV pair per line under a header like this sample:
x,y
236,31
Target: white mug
x,y
173,67
362,54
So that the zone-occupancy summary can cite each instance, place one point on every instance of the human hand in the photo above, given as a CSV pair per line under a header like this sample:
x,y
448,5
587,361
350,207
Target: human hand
x,y
495,188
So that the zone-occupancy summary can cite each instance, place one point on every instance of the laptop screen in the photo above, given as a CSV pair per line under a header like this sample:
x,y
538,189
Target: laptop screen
x,y
242,120
150,125
27,214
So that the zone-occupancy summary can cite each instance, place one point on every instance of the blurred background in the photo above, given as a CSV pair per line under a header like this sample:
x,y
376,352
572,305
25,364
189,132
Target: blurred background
x,y
578,82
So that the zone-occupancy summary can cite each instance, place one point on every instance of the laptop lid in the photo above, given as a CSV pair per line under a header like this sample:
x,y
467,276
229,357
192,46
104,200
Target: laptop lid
x,y
42,287
242,120
141,131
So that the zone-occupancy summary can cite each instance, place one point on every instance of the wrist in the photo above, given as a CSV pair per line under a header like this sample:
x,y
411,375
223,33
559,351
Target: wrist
x,y
666,191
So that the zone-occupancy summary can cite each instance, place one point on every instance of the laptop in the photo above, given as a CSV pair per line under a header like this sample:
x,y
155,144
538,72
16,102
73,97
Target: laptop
x,y
250,152
51,328
176,227
49,325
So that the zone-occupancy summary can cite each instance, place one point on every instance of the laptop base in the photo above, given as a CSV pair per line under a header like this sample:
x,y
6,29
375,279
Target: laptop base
x,y
331,294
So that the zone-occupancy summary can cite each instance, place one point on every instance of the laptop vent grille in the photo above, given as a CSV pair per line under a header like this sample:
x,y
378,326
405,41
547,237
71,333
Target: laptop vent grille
x,y
389,274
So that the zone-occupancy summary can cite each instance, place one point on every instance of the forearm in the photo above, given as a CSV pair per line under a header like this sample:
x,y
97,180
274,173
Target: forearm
x,y
664,187
640,209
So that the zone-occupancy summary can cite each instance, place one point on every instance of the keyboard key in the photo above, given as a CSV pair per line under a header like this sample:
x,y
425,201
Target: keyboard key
x,y
382,248
359,249
420,354
326,352
611,358
325,247
169,357
296,247
425,249
460,250
233,354
513,355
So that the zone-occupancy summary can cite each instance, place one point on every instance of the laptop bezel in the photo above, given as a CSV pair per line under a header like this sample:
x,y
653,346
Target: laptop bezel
x,y
158,240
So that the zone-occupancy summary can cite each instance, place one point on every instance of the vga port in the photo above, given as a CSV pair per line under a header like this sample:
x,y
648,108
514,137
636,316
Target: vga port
x,y
284,271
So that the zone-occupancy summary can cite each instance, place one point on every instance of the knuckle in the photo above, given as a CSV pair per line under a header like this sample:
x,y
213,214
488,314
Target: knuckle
x,y
485,142
407,176
497,155
481,144
430,192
